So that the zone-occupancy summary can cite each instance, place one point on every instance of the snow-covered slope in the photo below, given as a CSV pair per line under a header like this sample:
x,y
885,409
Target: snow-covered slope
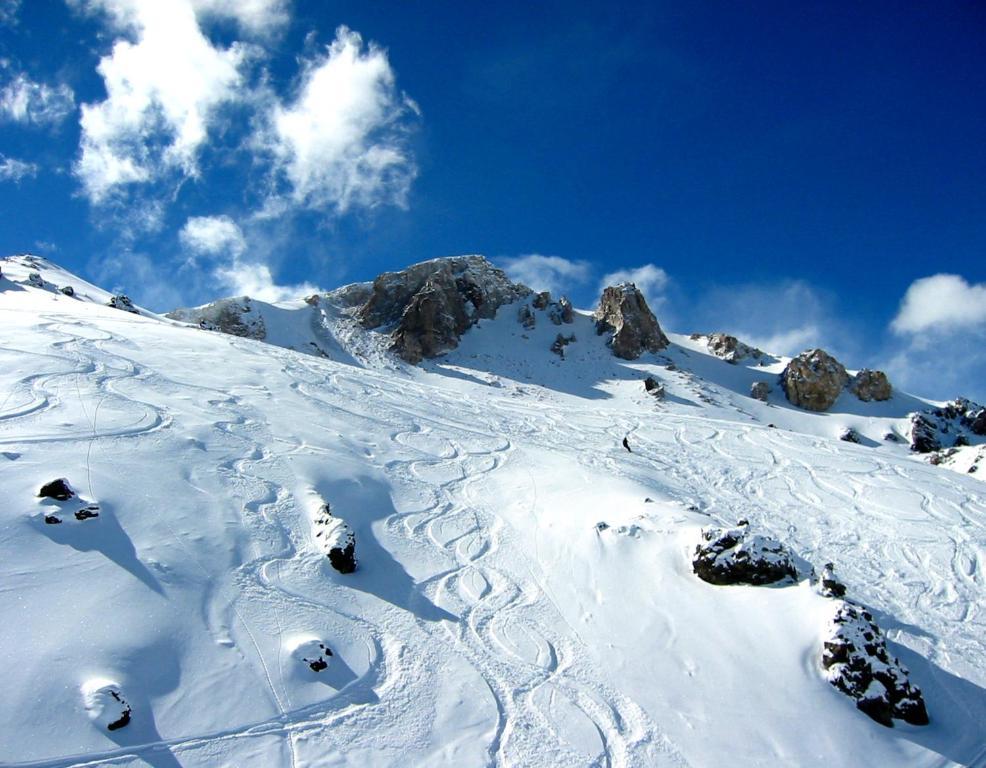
x,y
524,592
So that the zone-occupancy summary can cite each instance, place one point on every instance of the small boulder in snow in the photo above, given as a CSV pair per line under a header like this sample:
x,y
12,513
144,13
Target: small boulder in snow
x,y
58,489
35,279
313,653
123,302
856,661
336,539
526,317
561,341
561,311
105,704
68,290
850,435
732,556
760,390
653,387
830,586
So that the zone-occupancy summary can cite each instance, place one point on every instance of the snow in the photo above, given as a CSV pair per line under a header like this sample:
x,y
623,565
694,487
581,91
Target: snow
x,y
491,619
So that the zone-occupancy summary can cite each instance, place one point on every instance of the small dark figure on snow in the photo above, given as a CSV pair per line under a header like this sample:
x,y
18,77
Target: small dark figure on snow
x,y
626,444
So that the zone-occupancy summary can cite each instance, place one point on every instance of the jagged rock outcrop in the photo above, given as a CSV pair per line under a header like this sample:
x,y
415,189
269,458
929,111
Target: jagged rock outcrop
x,y
541,300
814,380
433,303
871,385
336,539
950,425
731,349
856,661
729,556
829,584
525,316
654,388
561,341
35,279
561,311
236,316
760,390
122,301
624,311
850,435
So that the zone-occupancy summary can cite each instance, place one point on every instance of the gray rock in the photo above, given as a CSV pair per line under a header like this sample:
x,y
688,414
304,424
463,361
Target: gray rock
x,y
35,279
236,316
731,349
871,385
561,311
122,301
433,303
856,662
830,586
68,290
760,390
624,312
542,300
526,317
561,341
58,489
923,434
730,556
653,387
814,380
850,435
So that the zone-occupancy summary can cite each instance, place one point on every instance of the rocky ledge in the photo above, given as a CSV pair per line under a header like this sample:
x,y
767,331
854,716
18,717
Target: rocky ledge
x,y
623,311
433,303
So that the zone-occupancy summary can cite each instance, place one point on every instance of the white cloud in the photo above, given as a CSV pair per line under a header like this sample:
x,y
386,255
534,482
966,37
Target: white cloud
x,y
941,303
546,273
8,11
12,169
342,142
258,17
255,280
221,238
164,89
23,100
651,280
213,236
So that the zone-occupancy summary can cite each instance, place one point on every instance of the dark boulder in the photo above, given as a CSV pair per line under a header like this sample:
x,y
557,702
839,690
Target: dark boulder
x,y
561,341
68,290
58,489
871,385
653,387
830,585
760,390
541,300
729,556
336,539
856,662
526,317
923,434
850,435
561,312
123,302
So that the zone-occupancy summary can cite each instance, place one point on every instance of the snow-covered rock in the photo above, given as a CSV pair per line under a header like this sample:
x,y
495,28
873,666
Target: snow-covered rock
x,y
105,704
731,349
760,390
236,316
850,435
623,311
856,661
733,556
122,301
654,388
336,539
814,380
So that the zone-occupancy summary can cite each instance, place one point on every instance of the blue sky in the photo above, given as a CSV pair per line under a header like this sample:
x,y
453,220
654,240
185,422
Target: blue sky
x,y
797,173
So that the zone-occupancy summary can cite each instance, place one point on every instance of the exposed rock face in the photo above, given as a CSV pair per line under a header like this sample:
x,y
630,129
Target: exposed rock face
x,y
923,434
856,661
526,317
123,302
236,316
958,422
336,539
731,349
850,435
68,290
623,310
813,380
35,279
830,585
871,385
760,390
542,300
561,341
435,302
58,489
732,556
560,312
653,387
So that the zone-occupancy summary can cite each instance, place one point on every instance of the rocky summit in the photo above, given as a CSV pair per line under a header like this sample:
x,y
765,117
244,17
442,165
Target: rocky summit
x,y
623,311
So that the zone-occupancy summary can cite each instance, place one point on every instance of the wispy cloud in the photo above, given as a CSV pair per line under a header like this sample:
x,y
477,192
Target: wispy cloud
x,y
8,11
222,242
342,141
12,169
650,279
547,273
22,100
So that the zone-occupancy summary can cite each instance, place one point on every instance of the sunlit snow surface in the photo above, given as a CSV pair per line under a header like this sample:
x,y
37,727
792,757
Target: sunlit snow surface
x,y
490,621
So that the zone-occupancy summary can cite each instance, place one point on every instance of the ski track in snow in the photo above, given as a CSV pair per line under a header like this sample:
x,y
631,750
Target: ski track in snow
x,y
549,700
